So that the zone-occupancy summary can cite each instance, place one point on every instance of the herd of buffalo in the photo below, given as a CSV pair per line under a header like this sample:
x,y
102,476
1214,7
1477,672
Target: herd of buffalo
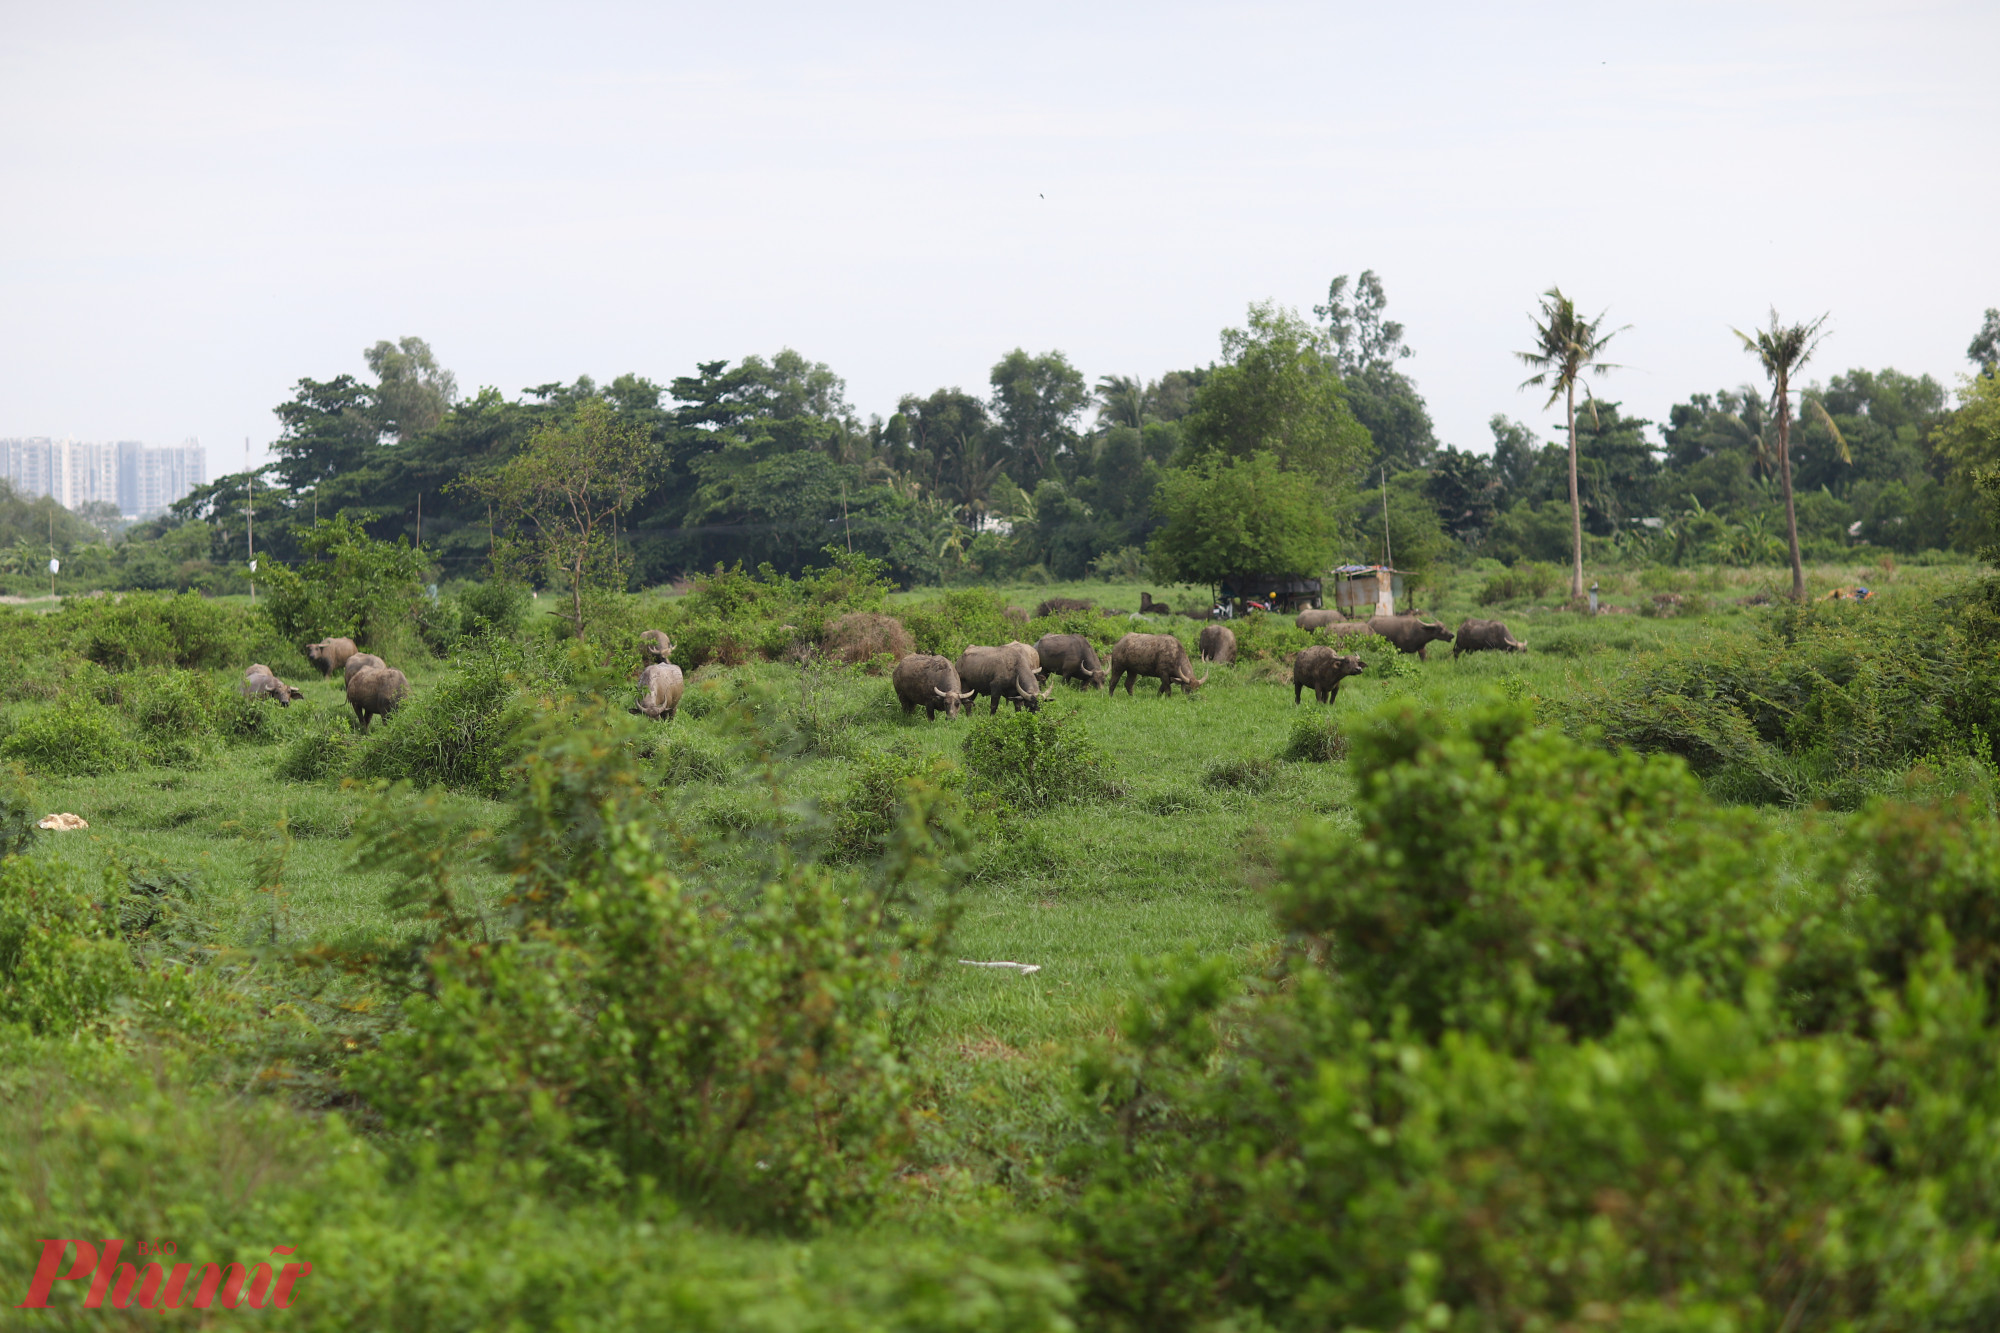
x,y
1019,673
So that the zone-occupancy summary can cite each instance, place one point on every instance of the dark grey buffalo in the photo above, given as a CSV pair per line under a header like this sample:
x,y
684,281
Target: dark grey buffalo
x,y
1320,669
1485,636
1008,672
660,687
358,662
1218,644
1161,657
259,683
1409,634
1319,617
1071,657
375,691
925,681
1052,606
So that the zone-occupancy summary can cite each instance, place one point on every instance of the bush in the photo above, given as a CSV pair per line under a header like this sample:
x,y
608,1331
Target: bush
x,y
959,619
1316,738
184,630
497,607
1036,760
1528,581
860,636
350,585
1247,775
460,734
321,751
175,713
888,785
744,1061
440,624
60,960
77,739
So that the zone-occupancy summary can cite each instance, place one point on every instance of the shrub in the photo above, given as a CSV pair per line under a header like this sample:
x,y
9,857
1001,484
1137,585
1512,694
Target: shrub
x,y
184,630
18,815
350,585
1316,738
322,750
460,734
1247,775
496,607
175,714
60,959
76,739
959,619
859,636
440,624
1036,760
744,1061
688,758
887,786
1529,580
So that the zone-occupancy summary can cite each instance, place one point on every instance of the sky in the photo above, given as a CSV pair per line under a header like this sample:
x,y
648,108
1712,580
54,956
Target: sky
x,y
205,202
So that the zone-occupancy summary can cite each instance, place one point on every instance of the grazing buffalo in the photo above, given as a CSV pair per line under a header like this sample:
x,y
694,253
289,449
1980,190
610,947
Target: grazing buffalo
x,y
1159,656
925,681
655,646
1071,657
1149,607
375,691
1008,672
259,683
660,686
1218,644
1319,617
1485,636
1409,634
359,662
1320,669
1055,605
330,655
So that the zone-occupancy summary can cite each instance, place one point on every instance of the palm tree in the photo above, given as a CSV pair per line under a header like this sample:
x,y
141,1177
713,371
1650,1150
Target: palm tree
x,y
1122,401
1782,349
1566,346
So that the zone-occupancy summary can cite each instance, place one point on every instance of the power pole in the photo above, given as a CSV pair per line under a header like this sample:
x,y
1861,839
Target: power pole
x,y
1388,557
250,516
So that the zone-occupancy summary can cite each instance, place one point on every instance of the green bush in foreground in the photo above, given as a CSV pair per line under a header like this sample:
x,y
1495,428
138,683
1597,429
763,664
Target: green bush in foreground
x,y
1036,760
1316,738
322,750
79,738
1548,1049
60,958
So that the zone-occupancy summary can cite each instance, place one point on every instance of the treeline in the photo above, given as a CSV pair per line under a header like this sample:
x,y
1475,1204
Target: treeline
x,y
1047,474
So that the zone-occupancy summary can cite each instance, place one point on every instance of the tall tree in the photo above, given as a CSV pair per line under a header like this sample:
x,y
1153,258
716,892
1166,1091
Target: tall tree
x,y
1036,400
329,427
1781,350
1278,391
1984,350
1239,515
1367,347
414,391
1566,346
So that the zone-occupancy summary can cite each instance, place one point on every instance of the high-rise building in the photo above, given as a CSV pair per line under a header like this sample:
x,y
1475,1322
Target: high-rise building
x,y
141,480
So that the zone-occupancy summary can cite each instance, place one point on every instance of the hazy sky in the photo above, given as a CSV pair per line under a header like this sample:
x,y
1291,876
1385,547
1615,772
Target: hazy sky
x,y
205,202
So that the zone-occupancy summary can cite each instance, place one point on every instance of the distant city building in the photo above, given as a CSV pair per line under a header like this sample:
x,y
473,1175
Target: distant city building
x,y
142,480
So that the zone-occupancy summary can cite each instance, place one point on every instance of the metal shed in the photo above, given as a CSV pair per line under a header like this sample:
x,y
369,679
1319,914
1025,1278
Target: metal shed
x,y
1367,590
1287,592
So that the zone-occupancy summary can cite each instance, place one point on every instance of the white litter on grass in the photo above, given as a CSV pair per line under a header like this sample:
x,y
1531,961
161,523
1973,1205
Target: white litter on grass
x,y
1023,968
63,823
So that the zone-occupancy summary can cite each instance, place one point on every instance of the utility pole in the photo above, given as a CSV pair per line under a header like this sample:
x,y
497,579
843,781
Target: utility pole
x,y
1388,557
250,516
54,564
420,520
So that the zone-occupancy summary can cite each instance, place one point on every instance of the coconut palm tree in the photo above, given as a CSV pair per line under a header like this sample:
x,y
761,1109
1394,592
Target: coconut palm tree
x,y
1782,349
1121,401
1566,345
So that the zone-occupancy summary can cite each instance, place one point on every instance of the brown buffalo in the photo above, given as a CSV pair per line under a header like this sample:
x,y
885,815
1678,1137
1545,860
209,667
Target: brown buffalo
x,y
330,655
929,682
1009,672
1149,607
655,646
1320,617
1071,657
1161,657
1218,644
660,686
1320,669
259,683
1056,605
375,691
359,662
1409,634
1485,636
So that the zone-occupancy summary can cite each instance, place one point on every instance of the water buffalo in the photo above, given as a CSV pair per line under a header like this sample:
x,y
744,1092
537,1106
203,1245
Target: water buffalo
x,y
1008,672
1160,656
375,691
259,683
925,681
1218,644
1071,657
655,646
1409,634
330,655
1055,605
359,662
1485,636
1319,617
660,686
1320,669
1149,607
